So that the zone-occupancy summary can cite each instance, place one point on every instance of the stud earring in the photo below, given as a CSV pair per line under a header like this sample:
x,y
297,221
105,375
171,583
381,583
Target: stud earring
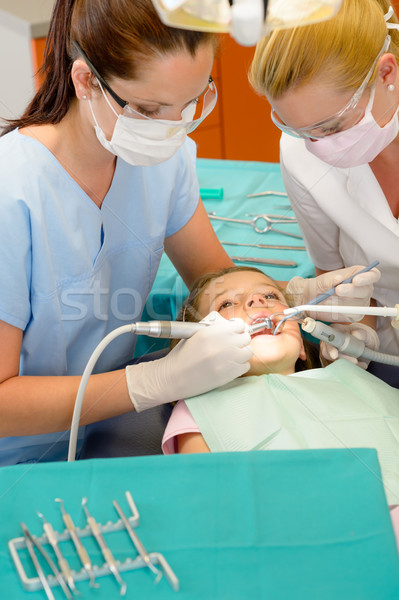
x,y
391,88
85,97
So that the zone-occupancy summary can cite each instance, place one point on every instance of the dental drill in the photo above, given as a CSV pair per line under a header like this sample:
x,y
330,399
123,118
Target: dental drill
x,y
161,329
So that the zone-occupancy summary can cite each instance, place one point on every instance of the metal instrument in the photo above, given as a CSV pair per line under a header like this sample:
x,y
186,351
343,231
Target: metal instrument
x,y
267,193
62,561
106,552
265,246
30,544
49,561
80,549
135,539
254,223
273,218
276,262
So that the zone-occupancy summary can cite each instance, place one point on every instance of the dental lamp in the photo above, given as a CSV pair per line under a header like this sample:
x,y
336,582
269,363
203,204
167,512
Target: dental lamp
x,y
245,20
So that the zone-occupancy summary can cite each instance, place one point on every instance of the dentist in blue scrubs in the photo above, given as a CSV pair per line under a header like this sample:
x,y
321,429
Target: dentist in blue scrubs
x,y
97,181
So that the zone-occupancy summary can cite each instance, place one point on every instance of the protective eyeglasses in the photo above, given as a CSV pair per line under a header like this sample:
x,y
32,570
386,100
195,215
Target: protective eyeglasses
x,y
204,104
334,123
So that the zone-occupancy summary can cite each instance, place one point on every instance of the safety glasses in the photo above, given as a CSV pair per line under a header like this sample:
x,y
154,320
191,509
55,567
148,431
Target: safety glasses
x,y
351,113
201,106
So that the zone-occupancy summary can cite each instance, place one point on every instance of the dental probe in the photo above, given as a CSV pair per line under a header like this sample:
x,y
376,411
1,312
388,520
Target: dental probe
x,y
136,541
80,549
62,562
331,291
48,559
106,552
30,546
325,295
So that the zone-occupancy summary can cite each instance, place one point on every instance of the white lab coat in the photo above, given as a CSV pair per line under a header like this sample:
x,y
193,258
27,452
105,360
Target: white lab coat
x,y
345,220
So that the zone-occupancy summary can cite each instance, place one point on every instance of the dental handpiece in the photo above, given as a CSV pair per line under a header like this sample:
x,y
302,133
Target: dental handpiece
x,y
183,329
80,549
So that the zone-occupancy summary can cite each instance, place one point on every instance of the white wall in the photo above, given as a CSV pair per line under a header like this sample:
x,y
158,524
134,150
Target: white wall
x,y
16,72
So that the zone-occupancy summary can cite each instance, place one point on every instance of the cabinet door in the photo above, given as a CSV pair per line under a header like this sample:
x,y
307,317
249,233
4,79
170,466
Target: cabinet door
x,y
242,129
37,47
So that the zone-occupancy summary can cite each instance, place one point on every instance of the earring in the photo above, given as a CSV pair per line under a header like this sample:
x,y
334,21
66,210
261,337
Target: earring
x,y
85,97
391,88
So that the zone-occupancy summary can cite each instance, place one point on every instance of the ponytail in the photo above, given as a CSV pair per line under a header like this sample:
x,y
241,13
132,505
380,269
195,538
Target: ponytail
x,y
51,102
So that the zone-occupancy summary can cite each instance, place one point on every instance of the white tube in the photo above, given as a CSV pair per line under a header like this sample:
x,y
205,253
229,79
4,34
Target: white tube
x,y
83,383
379,311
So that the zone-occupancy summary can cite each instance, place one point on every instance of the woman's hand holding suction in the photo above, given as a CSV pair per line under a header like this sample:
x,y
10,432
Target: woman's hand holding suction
x,y
362,332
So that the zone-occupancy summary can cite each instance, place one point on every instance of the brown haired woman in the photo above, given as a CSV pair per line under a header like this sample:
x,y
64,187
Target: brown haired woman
x,y
98,178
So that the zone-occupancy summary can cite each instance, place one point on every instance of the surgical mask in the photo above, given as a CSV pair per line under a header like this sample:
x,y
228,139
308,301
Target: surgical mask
x,y
144,142
358,145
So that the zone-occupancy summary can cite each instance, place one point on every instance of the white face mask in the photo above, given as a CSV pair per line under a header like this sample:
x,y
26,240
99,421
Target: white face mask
x,y
358,145
144,142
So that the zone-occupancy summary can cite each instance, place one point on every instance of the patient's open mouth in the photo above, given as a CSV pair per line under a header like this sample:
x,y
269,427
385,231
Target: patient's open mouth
x,y
267,330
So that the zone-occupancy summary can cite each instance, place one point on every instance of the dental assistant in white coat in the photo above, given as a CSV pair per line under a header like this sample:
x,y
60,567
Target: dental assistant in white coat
x,y
334,91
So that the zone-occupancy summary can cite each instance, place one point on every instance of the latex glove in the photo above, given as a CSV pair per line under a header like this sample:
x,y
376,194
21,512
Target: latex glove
x,y
212,357
357,293
360,331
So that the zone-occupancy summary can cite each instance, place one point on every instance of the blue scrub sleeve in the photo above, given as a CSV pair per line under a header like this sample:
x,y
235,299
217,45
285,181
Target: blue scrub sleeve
x,y
15,262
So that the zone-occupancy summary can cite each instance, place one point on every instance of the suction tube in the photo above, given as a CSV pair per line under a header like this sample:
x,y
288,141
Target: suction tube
x,y
346,343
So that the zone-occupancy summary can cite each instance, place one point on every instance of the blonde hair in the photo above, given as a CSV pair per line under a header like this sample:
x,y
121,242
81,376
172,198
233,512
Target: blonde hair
x,y
339,52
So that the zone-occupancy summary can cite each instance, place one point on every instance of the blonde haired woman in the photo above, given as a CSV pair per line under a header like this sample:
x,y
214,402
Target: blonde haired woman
x,y
334,91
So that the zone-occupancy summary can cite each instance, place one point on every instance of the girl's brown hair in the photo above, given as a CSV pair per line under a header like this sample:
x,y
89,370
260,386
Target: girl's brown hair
x,y
190,311
118,36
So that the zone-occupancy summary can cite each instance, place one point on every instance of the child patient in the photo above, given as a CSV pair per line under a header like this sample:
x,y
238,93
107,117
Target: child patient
x,y
282,402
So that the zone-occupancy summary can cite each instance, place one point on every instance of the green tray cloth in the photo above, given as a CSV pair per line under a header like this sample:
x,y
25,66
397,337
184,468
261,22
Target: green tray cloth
x,y
278,525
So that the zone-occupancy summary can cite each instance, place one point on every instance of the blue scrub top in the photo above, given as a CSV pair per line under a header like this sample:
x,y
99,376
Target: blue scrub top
x,y
70,272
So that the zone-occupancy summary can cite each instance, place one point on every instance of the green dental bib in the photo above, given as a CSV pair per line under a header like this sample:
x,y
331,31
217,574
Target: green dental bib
x,y
340,406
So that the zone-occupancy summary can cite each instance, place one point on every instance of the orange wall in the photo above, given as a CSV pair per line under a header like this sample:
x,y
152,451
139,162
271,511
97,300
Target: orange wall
x,y
241,129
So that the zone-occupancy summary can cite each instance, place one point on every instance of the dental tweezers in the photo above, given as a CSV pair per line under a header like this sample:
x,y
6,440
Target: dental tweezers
x,y
265,261
30,544
48,559
266,246
267,193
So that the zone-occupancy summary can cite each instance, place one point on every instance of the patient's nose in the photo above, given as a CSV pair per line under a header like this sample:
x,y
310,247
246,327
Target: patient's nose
x,y
256,299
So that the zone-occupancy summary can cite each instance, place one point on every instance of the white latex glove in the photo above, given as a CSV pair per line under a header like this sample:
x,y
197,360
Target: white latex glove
x,y
360,331
212,357
357,293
